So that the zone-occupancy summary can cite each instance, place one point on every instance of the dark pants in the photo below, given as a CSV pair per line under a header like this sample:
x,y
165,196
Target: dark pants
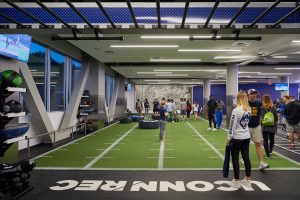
x,y
188,113
242,146
268,147
211,118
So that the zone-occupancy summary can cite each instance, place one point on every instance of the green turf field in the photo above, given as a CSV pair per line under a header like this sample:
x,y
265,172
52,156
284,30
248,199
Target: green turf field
x,y
188,146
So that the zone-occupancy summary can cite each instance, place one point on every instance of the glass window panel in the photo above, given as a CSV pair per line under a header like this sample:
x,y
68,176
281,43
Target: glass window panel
x,y
76,66
109,86
57,82
36,65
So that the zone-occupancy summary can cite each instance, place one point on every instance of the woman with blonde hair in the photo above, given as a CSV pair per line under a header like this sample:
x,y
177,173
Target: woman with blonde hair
x,y
239,140
269,118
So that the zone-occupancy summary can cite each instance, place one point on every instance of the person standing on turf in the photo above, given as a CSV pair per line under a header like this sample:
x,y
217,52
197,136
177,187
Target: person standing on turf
x,y
219,112
188,109
292,112
239,139
269,120
146,106
182,105
254,125
139,107
163,120
196,109
211,109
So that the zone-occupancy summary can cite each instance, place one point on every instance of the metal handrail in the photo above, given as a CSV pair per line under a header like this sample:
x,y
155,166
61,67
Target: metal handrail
x,y
54,136
57,131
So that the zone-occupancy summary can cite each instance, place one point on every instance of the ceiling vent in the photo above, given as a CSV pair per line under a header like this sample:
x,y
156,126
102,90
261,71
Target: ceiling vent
x,y
241,44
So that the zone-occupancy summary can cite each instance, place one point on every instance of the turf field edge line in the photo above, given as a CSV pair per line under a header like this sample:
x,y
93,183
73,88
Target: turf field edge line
x,y
74,141
161,156
155,169
207,142
109,148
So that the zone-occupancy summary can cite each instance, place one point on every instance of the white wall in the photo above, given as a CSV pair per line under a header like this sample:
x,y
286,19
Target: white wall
x,y
131,99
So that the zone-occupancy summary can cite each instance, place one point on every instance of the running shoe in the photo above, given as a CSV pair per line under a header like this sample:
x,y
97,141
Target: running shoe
x,y
235,184
246,182
263,166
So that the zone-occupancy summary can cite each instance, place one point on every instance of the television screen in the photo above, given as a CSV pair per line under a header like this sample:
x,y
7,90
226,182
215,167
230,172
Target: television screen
x,y
128,87
282,86
16,46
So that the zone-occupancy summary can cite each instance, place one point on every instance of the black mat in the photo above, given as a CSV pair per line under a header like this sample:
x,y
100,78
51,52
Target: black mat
x,y
278,185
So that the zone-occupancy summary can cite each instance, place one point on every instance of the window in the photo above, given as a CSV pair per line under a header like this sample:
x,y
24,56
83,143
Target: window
x,y
57,82
36,65
75,72
109,87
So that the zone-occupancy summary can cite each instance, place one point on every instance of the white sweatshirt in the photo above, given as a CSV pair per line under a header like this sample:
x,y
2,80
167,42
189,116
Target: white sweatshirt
x,y
239,124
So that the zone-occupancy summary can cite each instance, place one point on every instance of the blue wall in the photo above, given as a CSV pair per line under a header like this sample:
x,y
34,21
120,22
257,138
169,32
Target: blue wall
x,y
220,91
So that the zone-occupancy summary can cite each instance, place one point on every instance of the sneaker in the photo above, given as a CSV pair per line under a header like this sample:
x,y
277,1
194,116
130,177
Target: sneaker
x,y
293,146
214,129
263,166
246,183
235,184
268,157
209,129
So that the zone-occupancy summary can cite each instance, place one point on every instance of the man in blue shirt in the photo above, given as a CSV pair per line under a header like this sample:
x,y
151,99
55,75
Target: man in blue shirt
x,y
254,126
163,120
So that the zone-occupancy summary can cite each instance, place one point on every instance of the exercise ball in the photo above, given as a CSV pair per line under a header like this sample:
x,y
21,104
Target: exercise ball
x,y
10,78
15,107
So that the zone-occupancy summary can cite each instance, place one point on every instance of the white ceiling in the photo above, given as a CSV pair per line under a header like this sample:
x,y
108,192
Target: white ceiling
x,y
129,61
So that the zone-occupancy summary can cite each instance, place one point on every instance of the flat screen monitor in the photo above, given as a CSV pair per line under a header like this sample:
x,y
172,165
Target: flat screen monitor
x,y
282,86
16,46
128,87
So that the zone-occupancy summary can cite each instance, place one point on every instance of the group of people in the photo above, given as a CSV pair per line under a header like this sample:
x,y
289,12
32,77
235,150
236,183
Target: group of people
x,y
252,118
183,106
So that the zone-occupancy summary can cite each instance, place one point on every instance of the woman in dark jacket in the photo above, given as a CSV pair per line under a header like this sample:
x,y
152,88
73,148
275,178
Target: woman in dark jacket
x,y
268,131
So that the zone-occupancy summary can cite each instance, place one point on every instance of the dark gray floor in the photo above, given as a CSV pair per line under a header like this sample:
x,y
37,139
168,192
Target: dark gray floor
x,y
94,185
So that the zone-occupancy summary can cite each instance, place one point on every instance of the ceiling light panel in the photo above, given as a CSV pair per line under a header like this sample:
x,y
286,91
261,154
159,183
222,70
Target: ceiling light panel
x,y
174,60
233,57
209,50
144,46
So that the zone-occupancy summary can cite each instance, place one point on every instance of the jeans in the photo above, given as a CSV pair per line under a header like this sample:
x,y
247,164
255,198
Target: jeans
x,y
219,115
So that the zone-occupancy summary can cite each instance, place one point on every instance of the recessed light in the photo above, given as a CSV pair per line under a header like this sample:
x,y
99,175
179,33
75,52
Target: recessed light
x,y
154,80
189,70
174,60
280,57
154,72
233,57
287,68
171,75
296,41
144,46
165,37
209,50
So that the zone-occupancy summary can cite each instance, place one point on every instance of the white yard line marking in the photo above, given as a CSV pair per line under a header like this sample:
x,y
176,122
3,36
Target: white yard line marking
x,y
46,156
73,141
155,169
212,149
207,142
285,156
108,149
279,154
161,156
111,149
164,149
92,157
